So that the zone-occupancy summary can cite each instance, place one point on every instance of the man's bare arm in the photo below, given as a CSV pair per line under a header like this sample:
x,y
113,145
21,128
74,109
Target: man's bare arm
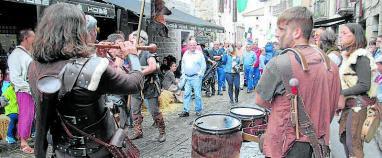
x,y
152,66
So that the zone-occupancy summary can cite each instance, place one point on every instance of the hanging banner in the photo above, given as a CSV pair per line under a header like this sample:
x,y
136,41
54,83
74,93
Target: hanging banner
x,y
241,5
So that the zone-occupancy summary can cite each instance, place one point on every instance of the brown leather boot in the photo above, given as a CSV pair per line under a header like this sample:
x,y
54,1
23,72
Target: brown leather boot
x,y
137,129
161,126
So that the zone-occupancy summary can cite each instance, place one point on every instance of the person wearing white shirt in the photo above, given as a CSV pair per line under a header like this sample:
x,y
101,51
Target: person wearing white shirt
x,y
18,63
193,68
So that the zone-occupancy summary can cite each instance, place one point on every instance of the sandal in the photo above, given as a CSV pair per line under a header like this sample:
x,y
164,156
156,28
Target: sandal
x,y
27,149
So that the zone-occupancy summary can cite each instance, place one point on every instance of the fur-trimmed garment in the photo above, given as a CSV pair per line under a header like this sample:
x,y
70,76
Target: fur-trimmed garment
x,y
349,77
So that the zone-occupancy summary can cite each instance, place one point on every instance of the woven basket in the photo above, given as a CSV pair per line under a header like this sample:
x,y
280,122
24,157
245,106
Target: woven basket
x,y
4,122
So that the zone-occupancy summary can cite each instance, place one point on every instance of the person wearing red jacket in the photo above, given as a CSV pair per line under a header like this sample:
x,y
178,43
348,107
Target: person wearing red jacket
x,y
256,71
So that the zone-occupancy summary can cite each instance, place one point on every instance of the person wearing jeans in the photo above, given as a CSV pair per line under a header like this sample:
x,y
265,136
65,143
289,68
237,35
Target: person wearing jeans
x,y
193,68
217,54
9,102
232,64
249,58
256,69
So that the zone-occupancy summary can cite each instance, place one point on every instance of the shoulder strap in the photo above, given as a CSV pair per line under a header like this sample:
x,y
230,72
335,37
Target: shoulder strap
x,y
301,58
324,57
70,74
305,124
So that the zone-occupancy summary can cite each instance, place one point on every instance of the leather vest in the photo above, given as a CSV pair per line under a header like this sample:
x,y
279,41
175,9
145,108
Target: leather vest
x,y
152,84
80,105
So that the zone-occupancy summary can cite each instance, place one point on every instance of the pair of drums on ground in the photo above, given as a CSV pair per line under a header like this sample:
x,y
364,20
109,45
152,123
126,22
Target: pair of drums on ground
x,y
220,135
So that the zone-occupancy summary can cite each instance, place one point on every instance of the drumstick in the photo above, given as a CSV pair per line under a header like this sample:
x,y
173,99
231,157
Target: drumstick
x,y
293,83
297,126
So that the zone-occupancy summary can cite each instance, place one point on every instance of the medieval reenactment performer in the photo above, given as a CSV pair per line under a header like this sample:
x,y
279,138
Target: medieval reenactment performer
x,y
301,87
62,50
150,92
358,87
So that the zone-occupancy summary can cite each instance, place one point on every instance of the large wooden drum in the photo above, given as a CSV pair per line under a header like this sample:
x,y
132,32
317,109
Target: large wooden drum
x,y
216,135
249,116
253,120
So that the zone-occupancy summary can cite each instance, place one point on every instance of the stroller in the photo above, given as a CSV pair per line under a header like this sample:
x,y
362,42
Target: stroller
x,y
209,79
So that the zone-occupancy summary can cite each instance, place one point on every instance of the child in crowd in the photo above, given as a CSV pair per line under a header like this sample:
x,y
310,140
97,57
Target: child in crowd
x,y
9,102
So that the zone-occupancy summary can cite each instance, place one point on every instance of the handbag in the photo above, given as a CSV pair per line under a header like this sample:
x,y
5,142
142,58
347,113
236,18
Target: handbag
x,y
371,124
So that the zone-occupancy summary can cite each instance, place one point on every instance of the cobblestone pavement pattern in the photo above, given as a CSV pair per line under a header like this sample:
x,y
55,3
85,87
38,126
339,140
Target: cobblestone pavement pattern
x,y
179,130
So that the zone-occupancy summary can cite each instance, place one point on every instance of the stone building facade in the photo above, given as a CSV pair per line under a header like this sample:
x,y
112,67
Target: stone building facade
x,y
371,15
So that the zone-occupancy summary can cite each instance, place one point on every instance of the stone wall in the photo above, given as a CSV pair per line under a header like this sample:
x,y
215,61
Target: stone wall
x,y
373,16
168,46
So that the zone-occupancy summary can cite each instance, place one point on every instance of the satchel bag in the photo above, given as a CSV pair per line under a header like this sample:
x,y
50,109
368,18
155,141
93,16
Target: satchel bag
x,y
371,124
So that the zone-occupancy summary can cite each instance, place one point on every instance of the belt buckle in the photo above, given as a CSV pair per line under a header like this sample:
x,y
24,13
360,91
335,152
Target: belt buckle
x,y
81,139
72,119
83,151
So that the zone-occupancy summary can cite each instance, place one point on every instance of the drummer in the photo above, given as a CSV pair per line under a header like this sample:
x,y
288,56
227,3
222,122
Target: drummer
x,y
318,86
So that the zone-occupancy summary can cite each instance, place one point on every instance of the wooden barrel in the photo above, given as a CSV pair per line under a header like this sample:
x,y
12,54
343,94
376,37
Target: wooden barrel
x,y
216,135
249,116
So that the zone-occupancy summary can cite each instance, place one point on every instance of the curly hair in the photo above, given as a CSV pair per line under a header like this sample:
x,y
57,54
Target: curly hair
x,y
328,40
61,34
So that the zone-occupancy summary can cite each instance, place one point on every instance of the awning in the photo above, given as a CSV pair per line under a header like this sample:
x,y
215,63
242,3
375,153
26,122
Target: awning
x,y
182,20
256,12
35,2
177,20
332,21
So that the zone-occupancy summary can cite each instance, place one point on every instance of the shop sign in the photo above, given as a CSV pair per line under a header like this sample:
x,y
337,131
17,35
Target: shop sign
x,y
203,39
99,11
35,2
93,8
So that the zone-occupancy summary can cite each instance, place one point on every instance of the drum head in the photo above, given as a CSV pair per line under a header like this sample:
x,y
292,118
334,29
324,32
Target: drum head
x,y
217,124
247,112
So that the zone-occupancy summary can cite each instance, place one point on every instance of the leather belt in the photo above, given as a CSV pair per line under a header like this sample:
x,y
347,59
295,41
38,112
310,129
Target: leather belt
x,y
86,119
94,129
76,140
359,101
76,119
77,152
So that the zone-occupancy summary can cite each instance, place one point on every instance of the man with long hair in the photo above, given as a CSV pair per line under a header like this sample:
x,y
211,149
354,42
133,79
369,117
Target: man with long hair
x,y
62,51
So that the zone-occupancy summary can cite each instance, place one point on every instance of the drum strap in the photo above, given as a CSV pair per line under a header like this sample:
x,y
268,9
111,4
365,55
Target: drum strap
x,y
320,150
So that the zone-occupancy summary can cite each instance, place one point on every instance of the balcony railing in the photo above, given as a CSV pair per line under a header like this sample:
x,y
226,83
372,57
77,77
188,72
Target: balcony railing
x,y
345,7
321,9
279,8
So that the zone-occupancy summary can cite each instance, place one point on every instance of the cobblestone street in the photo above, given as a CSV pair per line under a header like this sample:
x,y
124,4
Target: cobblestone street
x,y
179,130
